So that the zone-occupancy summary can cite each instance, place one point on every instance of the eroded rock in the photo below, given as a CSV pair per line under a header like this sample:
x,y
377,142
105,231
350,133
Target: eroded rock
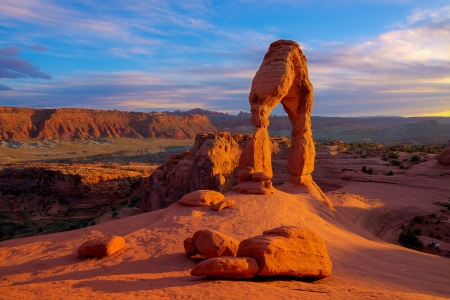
x,y
227,267
211,243
100,247
224,204
189,247
288,251
201,197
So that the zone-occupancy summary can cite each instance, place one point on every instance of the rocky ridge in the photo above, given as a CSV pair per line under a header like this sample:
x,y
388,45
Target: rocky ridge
x,y
87,124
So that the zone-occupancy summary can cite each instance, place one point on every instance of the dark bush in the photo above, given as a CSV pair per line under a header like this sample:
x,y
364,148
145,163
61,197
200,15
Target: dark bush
x,y
390,173
418,219
395,162
415,159
409,239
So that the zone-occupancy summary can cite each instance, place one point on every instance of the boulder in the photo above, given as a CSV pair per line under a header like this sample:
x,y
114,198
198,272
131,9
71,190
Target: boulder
x,y
100,247
227,267
189,247
444,157
211,243
224,204
288,251
201,197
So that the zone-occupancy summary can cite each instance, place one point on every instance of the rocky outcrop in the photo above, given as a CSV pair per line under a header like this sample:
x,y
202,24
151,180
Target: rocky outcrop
x,y
224,204
101,247
288,251
72,123
444,157
282,77
227,267
211,164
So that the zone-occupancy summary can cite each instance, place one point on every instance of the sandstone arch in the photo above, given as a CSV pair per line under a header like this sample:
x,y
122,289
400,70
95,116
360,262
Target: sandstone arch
x,y
282,77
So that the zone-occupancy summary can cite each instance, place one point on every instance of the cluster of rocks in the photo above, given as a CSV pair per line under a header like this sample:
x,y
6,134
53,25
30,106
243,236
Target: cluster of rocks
x,y
282,251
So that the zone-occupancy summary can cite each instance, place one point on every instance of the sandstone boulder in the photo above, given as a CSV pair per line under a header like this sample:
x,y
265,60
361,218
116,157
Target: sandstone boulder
x,y
189,247
288,251
227,267
444,157
224,204
201,197
100,247
211,243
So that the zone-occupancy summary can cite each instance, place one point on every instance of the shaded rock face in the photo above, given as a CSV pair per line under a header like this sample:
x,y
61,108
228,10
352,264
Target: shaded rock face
x,y
444,157
282,77
288,251
70,124
211,164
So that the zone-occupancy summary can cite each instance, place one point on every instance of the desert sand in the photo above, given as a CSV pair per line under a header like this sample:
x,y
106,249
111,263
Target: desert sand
x,y
153,264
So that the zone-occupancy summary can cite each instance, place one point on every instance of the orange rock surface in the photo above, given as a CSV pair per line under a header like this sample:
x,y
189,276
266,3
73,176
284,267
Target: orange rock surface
x,y
74,123
288,251
227,267
101,247
212,243
201,197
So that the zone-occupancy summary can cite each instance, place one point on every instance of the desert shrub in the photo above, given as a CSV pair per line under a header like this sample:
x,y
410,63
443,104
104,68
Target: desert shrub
x,y
437,236
432,215
409,239
395,162
384,158
415,159
417,231
418,219
430,234
390,173
344,169
393,155
370,171
364,169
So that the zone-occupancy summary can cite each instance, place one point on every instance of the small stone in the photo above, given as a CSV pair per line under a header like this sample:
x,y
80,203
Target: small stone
x,y
224,204
101,247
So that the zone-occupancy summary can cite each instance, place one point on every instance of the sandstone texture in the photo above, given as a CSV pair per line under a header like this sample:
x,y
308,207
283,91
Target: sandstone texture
x,y
224,204
288,251
72,123
444,157
227,267
211,243
201,197
101,247
211,164
282,77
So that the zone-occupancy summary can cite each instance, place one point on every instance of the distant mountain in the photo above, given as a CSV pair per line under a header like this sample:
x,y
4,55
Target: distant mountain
x,y
73,123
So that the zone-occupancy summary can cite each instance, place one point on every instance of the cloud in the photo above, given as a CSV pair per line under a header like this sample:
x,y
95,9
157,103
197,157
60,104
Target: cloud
x,y
38,48
14,68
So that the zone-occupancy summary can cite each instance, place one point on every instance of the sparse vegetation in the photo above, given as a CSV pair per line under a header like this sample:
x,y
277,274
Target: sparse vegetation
x,y
409,239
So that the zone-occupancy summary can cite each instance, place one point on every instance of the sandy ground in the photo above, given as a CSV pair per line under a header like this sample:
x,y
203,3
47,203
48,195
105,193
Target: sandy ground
x,y
153,264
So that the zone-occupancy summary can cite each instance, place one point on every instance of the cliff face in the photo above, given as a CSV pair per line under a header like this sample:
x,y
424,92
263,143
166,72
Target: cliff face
x,y
36,187
210,164
70,124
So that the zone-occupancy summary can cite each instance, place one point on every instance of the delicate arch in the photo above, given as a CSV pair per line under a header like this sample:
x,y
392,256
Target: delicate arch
x,y
282,77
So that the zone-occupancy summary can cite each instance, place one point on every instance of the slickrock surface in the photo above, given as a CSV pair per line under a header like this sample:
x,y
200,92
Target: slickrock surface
x,y
212,243
201,197
101,247
282,77
211,164
444,157
288,251
73,123
227,267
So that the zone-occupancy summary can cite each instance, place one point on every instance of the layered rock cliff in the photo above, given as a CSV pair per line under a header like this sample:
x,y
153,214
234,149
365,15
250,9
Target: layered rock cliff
x,y
71,124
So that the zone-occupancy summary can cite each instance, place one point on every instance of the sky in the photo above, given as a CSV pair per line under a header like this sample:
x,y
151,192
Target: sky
x,y
365,58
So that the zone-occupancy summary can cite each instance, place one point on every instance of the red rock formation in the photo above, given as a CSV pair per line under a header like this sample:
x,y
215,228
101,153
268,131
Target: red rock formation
x,y
201,197
227,267
211,243
101,247
444,157
282,77
72,123
211,164
288,251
